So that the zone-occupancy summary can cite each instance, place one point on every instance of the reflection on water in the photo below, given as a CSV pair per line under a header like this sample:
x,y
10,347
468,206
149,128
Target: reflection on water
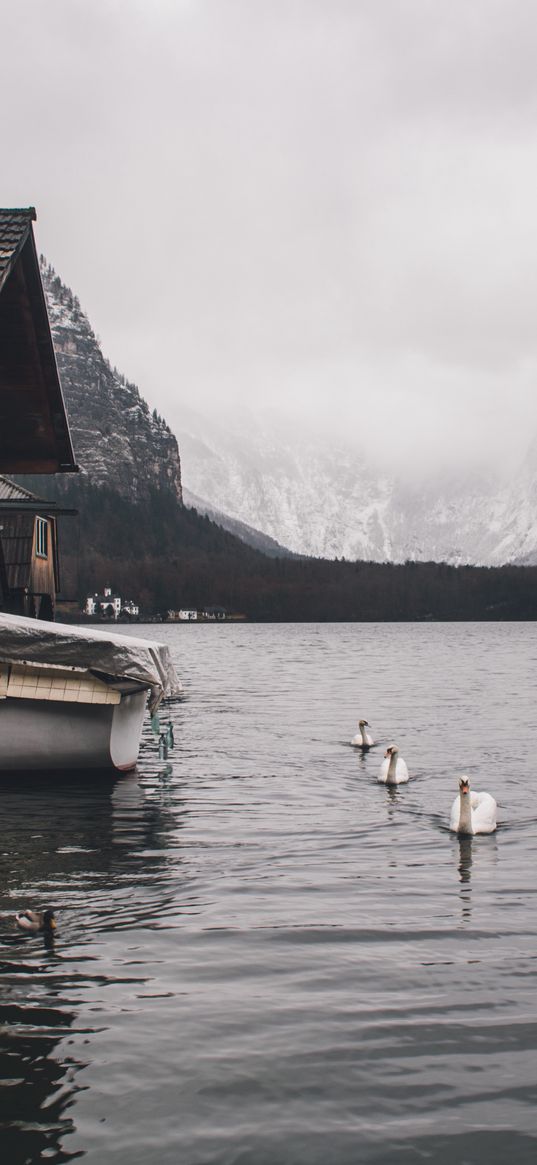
x,y
465,858
98,852
480,852
260,949
465,867
35,1083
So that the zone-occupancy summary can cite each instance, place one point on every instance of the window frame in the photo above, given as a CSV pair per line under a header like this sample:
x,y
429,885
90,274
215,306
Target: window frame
x,y
41,538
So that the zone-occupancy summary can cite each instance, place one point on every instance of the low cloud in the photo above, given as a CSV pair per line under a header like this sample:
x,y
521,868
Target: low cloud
x,y
326,205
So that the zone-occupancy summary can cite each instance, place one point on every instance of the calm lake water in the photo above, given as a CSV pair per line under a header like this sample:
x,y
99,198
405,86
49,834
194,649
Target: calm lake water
x,y
263,956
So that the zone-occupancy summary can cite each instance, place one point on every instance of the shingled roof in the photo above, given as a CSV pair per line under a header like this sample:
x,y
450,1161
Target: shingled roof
x,y
14,498
34,431
11,492
15,226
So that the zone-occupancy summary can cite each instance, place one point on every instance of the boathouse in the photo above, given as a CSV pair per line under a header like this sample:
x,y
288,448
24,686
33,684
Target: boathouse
x,y
34,430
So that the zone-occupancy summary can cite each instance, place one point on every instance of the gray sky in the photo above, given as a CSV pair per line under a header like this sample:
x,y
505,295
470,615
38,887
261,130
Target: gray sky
x,y
326,203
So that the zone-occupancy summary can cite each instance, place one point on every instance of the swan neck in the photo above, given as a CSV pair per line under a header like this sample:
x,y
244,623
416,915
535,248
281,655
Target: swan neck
x,y
392,766
363,732
465,814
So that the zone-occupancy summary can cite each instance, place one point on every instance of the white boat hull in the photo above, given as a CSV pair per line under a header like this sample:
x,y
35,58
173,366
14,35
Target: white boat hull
x,y
41,734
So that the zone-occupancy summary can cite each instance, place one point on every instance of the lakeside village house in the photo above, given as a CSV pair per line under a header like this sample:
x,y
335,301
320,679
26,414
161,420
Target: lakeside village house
x,y
212,614
109,606
34,431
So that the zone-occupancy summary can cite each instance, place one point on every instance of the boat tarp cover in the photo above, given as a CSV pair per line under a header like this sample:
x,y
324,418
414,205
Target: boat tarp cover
x,y
121,656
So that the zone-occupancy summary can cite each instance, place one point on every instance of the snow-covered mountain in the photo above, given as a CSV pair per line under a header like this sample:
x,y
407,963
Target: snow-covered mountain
x,y
275,483
321,497
241,530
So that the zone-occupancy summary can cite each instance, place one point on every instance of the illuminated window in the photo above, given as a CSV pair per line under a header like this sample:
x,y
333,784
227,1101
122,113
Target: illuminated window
x,y
41,538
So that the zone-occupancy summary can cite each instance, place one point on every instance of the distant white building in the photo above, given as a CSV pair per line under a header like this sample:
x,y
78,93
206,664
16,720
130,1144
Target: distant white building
x,y
109,606
131,609
187,616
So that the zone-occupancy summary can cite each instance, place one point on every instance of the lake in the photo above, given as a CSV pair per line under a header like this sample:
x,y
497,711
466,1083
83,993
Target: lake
x,y
263,956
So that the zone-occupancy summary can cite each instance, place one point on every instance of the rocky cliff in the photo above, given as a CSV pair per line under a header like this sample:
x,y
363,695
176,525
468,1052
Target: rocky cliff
x,y
118,441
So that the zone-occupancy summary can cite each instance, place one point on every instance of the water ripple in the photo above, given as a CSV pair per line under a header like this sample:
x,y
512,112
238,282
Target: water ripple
x,y
264,957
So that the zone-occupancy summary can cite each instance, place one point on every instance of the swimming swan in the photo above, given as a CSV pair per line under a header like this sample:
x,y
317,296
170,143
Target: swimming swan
x,y
362,739
393,770
472,812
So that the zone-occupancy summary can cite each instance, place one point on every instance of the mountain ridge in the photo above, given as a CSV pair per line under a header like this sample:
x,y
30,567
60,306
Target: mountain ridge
x,y
247,534
135,533
278,489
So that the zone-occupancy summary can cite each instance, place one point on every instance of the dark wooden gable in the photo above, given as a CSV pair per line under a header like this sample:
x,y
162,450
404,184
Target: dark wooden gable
x,y
4,585
18,544
31,575
34,431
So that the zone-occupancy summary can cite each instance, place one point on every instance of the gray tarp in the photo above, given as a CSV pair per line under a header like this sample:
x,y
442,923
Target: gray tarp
x,y
123,656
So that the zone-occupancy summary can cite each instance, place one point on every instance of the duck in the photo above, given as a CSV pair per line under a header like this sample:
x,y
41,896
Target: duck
x,y
36,920
472,812
362,739
393,770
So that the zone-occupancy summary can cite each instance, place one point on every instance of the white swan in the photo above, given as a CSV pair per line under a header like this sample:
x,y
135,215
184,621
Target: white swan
x,y
393,770
472,812
362,739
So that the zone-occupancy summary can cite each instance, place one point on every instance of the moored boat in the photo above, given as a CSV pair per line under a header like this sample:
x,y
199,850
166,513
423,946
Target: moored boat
x,y
75,697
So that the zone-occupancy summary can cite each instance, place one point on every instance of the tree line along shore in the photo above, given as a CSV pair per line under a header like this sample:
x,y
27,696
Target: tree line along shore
x,y
174,557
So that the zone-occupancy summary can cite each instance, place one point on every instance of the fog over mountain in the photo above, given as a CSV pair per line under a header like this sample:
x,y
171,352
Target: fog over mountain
x,y
325,497
277,486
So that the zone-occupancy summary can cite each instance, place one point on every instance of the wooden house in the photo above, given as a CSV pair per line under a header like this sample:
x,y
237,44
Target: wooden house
x,y
28,534
34,431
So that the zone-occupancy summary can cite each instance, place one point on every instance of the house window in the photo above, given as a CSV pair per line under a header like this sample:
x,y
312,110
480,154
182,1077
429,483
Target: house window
x,y
41,538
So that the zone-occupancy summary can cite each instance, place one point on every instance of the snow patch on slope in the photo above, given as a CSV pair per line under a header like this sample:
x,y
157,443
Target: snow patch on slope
x,y
323,498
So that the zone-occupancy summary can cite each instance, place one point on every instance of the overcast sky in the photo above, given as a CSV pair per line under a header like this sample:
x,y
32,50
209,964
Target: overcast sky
x,y
327,203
